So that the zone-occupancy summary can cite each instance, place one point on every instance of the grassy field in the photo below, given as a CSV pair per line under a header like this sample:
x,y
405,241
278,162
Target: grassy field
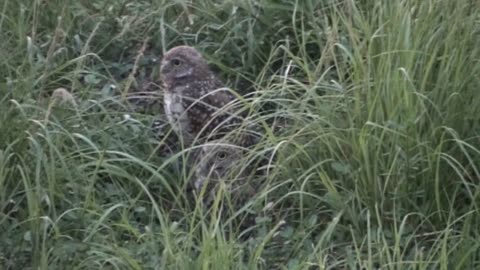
x,y
377,166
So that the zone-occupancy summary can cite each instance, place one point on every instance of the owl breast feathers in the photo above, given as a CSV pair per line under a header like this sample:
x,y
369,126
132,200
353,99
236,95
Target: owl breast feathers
x,y
196,103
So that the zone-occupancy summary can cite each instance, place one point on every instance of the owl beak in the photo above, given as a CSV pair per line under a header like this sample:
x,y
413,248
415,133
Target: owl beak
x,y
163,65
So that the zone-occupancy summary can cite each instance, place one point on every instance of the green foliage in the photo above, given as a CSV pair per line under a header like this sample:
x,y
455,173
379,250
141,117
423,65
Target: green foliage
x,y
376,158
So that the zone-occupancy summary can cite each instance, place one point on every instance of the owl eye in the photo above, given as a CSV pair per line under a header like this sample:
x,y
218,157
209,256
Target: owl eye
x,y
221,155
176,62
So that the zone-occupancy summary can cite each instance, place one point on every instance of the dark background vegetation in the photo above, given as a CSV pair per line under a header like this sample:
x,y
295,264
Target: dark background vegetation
x,y
377,166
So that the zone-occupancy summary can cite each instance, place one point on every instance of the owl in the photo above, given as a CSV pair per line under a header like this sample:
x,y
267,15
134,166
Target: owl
x,y
196,103
219,162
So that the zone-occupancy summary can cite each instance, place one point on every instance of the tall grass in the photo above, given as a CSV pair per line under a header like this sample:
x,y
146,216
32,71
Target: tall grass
x,y
374,164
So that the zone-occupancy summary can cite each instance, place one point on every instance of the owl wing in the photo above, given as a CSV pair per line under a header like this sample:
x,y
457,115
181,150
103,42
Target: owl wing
x,y
209,107
225,114
230,114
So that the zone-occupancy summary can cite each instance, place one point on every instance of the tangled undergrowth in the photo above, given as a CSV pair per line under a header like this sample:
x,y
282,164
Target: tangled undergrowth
x,y
376,162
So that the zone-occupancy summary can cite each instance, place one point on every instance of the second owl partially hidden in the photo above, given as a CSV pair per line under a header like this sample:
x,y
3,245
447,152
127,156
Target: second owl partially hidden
x,y
204,113
197,104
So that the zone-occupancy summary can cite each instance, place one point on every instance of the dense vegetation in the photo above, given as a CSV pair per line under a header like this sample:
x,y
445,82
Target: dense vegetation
x,y
376,166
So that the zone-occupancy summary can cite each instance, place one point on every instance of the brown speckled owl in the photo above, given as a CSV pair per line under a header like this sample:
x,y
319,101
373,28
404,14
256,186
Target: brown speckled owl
x,y
197,104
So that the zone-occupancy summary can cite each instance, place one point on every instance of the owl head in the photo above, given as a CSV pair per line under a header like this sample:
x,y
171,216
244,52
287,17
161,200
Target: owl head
x,y
219,161
182,63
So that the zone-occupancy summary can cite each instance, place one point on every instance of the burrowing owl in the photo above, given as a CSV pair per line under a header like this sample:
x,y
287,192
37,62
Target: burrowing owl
x,y
218,162
195,101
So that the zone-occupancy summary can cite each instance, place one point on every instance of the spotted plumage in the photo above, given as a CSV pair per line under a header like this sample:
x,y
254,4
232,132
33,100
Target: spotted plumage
x,y
196,103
